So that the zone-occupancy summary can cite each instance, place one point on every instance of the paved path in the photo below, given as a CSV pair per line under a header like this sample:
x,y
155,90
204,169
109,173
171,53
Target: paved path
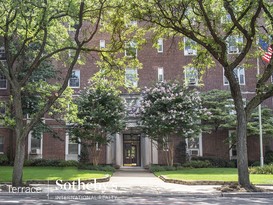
x,y
142,182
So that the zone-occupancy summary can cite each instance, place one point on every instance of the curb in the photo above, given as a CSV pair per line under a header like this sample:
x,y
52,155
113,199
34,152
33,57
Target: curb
x,y
177,181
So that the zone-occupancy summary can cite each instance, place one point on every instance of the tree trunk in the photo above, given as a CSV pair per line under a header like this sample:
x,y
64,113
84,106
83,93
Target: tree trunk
x,y
20,139
242,158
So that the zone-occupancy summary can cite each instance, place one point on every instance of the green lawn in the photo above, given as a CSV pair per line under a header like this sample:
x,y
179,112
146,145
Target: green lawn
x,y
214,174
52,173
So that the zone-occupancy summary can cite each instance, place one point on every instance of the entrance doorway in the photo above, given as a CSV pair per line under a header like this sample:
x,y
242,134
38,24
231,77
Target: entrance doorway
x,y
131,149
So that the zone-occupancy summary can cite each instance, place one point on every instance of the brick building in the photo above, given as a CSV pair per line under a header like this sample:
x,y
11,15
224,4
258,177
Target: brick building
x,y
131,147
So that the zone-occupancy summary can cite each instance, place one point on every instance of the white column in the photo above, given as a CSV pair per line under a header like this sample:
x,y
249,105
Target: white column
x,y
109,153
119,150
147,151
154,153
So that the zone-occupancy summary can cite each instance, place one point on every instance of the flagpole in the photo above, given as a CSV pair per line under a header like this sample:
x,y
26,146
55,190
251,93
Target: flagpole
x,y
260,122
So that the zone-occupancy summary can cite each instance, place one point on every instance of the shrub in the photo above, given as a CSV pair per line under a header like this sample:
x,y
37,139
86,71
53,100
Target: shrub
x,y
267,169
197,164
217,162
157,168
69,163
255,164
106,168
268,158
4,159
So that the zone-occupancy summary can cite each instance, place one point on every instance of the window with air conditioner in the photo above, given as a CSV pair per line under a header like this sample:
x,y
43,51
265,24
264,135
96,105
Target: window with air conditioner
x,y
35,144
234,44
191,76
239,73
189,47
131,49
74,80
160,45
160,73
194,146
102,44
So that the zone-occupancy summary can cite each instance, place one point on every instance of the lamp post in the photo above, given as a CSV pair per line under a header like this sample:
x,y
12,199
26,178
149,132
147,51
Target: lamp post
x,y
260,123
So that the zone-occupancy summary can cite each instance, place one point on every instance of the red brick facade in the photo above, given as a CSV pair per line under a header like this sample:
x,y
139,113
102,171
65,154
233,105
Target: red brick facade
x,y
172,60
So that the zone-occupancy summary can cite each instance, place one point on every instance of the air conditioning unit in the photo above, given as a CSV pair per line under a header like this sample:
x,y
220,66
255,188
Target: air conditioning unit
x,y
233,49
190,52
193,152
35,151
192,81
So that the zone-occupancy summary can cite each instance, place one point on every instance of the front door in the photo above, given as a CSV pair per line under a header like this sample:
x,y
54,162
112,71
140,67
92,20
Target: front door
x,y
131,149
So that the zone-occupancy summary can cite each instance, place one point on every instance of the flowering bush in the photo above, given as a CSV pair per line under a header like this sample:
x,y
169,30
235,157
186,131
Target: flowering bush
x,y
101,113
168,110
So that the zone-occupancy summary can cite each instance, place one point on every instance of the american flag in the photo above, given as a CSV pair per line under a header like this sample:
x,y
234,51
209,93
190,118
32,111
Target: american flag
x,y
268,54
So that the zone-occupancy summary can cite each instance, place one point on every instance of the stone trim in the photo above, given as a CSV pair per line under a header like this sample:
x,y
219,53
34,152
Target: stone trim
x,y
184,182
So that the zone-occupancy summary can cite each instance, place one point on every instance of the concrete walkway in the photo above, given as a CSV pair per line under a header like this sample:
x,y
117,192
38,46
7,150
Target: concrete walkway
x,y
142,182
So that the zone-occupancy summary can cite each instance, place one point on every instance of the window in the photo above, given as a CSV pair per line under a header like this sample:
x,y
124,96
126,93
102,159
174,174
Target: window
x,y
2,53
131,49
73,146
35,144
234,44
160,74
191,76
2,108
102,44
74,81
3,81
239,74
232,144
131,79
189,47
194,146
231,106
1,144
160,45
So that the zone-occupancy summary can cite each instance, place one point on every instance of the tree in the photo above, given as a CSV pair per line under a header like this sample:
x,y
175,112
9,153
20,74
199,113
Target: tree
x,y
101,113
169,110
222,115
213,28
32,32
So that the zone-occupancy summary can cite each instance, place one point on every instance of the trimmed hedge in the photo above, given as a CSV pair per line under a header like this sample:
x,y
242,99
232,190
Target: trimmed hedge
x,y
217,162
268,157
197,164
51,163
4,159
267,169
106,168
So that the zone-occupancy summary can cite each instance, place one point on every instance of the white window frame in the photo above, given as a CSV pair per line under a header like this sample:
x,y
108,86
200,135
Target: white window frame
x,y
2,143
160,45
234,49
71,156
238,72
231,156
102,44
199,150
160,74
133,81
188,49
38,151
131,45
191,76
4,80
78,75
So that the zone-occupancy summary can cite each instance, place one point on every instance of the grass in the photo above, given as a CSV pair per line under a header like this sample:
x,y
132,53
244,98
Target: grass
x,y
214,174
52,173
